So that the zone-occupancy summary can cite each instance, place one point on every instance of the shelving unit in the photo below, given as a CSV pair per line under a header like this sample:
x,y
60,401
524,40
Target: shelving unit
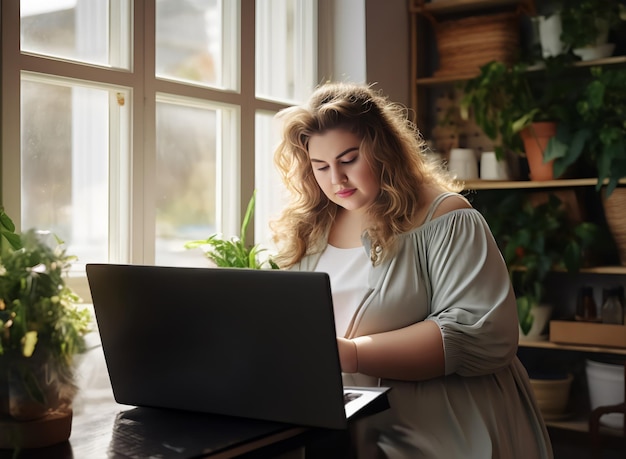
x,y
579,420
423,61
426,88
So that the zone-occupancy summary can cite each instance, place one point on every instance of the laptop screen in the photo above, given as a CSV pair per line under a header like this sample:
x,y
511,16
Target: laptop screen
x,y
258,344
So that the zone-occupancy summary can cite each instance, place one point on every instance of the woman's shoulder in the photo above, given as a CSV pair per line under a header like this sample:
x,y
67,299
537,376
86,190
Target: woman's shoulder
x,y
437,202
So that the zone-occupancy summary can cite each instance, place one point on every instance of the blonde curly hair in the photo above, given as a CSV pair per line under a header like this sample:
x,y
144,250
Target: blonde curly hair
x,y
391,144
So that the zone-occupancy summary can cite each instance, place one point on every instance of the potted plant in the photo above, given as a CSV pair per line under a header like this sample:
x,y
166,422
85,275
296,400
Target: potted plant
x,y
42,328
596,138
586,25
536,236
233,252
597,135
508,102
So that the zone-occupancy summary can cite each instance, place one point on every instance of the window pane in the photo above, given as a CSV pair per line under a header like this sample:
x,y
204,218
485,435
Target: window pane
x,y
196,41
186,181
271,194
286,54
92,31
64,164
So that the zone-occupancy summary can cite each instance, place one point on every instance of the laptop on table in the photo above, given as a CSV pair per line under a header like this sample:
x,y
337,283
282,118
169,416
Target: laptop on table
x,y
256,344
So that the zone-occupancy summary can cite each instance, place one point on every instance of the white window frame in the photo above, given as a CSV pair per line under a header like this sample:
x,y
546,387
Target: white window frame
x,y
132,232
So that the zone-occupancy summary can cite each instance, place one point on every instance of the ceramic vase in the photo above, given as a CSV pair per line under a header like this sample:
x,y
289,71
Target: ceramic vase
x,y
541,314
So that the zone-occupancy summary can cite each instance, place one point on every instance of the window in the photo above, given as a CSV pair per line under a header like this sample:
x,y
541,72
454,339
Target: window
x,y
141,125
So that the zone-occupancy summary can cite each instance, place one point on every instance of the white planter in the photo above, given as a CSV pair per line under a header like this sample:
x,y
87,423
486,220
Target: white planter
x,y
539,329
606,387
550,35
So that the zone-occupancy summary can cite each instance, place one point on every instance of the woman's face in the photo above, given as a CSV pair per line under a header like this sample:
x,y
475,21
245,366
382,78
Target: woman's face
x,y
341,170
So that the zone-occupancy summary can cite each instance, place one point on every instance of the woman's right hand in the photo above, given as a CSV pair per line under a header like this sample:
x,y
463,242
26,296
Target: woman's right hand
x,y
347,355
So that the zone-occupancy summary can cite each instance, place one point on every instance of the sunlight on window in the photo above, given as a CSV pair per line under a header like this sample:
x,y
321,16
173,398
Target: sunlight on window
x,y
78,30
132,183
65,150
271,193
186,181
286,49
196,41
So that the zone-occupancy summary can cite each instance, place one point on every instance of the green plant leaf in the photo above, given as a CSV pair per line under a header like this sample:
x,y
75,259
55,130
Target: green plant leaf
x,y
6,223
524,314
248,216
233,252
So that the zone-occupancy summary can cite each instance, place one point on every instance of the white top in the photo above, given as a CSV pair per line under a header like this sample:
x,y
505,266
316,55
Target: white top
x,y
348,270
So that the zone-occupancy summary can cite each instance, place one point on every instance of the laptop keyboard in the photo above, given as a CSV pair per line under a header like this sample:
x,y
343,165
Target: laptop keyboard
x,y
349,396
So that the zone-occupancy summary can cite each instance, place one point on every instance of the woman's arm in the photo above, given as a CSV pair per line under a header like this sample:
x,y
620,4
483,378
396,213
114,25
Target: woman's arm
x,y
413,353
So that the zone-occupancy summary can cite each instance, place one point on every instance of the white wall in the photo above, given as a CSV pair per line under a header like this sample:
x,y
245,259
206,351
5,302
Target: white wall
x,y
387,46
366,41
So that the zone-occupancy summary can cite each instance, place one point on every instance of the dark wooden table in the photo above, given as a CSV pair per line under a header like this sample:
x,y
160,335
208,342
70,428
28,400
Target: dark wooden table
x,y
109,430
102,428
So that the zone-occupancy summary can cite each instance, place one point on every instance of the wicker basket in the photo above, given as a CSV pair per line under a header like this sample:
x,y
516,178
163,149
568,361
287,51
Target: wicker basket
x,y
464,45
614,207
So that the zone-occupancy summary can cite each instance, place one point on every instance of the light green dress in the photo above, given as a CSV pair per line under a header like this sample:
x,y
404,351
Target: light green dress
x,y
450,270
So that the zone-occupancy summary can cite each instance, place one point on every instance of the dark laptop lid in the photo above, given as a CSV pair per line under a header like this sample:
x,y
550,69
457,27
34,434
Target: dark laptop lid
x,y
258,344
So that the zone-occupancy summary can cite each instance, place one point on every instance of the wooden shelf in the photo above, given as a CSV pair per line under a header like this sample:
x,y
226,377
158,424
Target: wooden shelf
x,y
460,78
458,6
523,184
526,184
580,423
621,270
571,347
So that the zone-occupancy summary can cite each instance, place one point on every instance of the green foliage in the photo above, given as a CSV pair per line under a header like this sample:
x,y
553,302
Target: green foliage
x,y
8,239
506,99
579,20
41,325
535,239
597,136
233,252
37,308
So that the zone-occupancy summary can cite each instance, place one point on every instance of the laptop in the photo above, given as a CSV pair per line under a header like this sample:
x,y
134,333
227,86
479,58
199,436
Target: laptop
x,y
257,344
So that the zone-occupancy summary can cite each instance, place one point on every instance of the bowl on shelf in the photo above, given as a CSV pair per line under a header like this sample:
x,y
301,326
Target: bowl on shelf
x,y
590,53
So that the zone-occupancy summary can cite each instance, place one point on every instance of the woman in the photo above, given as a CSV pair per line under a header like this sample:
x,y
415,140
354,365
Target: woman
x,y
423,301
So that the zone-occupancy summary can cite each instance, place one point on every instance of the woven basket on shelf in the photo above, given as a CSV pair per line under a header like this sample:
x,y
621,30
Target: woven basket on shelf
x,y
464,45
614,207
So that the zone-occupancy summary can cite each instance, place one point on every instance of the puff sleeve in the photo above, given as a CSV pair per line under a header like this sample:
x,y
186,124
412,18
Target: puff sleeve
x,y
472,299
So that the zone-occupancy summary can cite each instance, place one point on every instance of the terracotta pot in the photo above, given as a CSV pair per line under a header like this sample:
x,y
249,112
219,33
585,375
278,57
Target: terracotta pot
x,y
536,137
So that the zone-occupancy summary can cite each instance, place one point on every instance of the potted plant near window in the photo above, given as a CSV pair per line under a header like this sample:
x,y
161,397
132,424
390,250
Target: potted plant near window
x,y
42,328
512,106
234,252
536,236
